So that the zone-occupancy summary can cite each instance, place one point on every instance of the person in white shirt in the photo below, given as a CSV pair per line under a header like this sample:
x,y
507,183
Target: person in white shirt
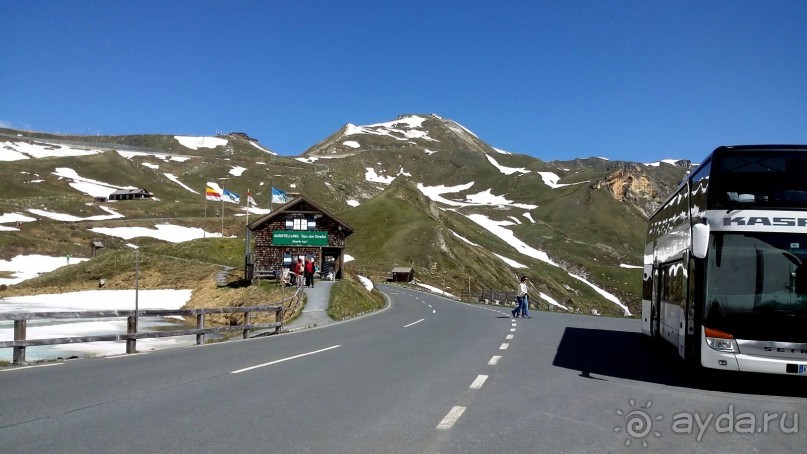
x,y
522,308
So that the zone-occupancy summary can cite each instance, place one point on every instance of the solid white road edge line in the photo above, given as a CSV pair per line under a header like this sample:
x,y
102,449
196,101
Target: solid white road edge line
x,y
30,367
495,360
125,355
284,359
414,323
480,380
451,418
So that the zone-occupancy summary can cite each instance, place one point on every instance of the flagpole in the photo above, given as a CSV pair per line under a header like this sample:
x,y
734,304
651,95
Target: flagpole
x,y
271,191
204,229
222,211
248,196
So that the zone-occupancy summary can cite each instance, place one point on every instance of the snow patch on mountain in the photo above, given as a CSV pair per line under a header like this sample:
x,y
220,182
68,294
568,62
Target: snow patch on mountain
x,y
506,170
15,217
551,180
510,262
551,301
17,151
88,186
436,193
176,180
255,144
464,239
498,228
403,129
372,176
164,156
195,143
70,218
165,232
673,162
24,267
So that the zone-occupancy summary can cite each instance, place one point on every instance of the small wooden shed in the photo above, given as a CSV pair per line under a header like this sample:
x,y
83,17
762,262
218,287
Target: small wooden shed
x,y
403,274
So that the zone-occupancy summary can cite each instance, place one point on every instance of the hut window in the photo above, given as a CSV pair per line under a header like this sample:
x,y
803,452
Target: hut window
x,y
298,224
312,224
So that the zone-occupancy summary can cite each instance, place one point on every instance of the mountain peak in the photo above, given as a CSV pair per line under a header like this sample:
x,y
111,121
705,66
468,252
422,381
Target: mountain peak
x,y
426,133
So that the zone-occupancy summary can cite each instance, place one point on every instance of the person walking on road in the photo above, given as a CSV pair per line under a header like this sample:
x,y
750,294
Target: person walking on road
x,y
522,308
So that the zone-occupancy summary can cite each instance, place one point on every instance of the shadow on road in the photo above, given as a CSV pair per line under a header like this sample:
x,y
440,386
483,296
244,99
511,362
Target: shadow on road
x,y
599,354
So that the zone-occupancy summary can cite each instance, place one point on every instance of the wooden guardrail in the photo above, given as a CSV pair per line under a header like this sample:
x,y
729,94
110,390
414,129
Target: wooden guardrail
x,y
21,322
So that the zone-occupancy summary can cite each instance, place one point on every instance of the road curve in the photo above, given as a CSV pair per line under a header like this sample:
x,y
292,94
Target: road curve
x,y
425,375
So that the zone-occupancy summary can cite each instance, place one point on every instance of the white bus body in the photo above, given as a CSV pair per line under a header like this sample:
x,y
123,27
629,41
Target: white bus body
x,y
725,264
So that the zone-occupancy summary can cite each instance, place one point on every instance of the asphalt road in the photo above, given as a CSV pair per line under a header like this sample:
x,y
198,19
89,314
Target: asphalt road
x,y
425,375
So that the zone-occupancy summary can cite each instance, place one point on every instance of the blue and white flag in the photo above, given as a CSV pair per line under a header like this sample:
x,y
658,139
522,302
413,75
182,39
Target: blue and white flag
x,y
279,196
231,197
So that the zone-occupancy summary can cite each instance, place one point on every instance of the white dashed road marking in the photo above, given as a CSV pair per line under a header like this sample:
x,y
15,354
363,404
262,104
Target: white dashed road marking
x,y
480,380
509,336
504,346
284,359
451,418
414,323
495,360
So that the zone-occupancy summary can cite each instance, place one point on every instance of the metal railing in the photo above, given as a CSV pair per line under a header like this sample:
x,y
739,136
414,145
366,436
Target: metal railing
x,y
20,319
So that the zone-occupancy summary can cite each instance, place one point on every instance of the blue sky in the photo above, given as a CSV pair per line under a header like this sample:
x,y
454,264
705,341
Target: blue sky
x,y
629,80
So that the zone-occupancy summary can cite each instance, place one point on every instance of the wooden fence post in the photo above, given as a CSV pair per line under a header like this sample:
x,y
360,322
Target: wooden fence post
x,y
131,328
19,335
279,318
200,324
247,322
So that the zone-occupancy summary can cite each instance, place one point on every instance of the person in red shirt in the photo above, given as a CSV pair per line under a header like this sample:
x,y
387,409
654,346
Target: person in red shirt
x,y
309,272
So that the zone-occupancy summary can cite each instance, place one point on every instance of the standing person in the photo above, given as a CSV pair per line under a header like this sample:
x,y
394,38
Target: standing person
x,y
309,272
525,299
519,301
325,269
334,268
299,270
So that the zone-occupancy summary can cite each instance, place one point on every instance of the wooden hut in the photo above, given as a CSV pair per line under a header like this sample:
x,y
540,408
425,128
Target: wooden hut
x,y
298,229
130,194
402,274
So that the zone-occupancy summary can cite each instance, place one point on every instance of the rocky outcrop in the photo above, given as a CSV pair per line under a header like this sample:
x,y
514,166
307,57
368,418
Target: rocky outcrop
x,y
629,183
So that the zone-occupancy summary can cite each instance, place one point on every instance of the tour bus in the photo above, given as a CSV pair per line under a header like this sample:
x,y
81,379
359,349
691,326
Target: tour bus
x,y
725,264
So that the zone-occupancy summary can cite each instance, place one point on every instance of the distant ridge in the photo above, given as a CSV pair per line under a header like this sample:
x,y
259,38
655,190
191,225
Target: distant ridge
x,y
419,190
